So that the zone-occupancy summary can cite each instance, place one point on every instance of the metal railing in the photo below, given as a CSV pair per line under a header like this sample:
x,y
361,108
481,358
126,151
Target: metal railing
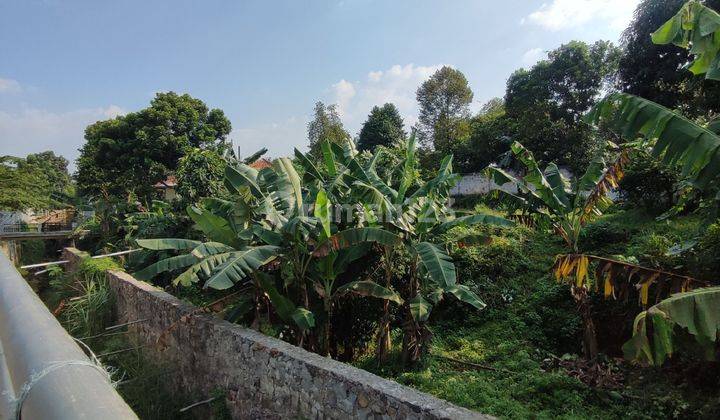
x,y
43,373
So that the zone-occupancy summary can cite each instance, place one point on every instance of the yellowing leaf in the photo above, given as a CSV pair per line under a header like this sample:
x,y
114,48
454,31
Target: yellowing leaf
x,y
608,286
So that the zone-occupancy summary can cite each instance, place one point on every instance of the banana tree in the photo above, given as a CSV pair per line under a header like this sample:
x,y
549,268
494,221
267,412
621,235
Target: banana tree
x,y
566,207
418,218
267,223
696,312
676,140
554,199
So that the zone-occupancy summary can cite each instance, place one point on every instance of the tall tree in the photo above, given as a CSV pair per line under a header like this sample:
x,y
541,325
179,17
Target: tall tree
x,y
384,126
488,138
200,174
326,125
651,71
54,168
547,102
444,101
133,152
40,181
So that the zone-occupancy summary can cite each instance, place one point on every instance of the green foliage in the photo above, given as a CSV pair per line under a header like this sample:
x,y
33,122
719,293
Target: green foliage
x,y
675,139
83,298
651,71
326,126
552,199
648,184
546,103
384,127
444,100
697,28
38,182
200,175
132,152
695,311
488,138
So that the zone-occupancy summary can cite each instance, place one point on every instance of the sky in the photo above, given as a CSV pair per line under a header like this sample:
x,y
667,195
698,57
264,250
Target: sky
x,y
65,64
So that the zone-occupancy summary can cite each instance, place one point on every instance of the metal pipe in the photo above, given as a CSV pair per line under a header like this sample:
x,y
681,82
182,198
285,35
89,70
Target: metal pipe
x,y
38,351
112,254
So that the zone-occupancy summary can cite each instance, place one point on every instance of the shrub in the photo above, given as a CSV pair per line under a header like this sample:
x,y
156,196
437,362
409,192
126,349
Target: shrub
x,y
648,184
83,296
602,233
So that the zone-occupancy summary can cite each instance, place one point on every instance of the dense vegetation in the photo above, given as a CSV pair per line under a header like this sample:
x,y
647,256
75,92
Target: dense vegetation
x,y
549,299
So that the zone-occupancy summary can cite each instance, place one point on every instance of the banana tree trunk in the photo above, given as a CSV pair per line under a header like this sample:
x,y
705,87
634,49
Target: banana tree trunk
x,y
384,344
590,345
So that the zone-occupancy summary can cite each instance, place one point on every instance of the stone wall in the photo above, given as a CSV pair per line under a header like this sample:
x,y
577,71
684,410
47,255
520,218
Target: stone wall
x,y
262,377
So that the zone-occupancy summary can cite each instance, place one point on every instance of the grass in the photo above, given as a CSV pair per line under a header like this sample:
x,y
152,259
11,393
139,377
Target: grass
x,y
83,305
530,324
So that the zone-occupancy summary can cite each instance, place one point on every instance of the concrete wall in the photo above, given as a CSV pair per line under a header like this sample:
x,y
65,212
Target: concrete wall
x,y
479,184
263,377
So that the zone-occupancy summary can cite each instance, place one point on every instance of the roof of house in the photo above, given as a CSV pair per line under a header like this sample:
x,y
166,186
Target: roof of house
x,y
169,182
261,163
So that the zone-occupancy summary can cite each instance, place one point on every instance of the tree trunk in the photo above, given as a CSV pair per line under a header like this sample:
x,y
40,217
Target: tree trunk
x,y
384,342
590,345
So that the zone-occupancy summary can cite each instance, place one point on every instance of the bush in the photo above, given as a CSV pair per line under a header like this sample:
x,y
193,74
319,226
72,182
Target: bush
x,y
707,254
600,234
648,184
83,298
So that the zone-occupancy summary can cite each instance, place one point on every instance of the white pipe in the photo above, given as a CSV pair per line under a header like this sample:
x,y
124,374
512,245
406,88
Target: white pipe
x,y
113,254
45,365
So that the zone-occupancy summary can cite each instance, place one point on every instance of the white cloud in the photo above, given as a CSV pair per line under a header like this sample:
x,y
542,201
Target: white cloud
x,y
32,130
9,86
564,14
396,85
532,56
344,92
354,99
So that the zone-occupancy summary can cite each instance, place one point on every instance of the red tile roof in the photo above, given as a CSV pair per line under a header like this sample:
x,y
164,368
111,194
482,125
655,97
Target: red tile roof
x,y
170,182
261,163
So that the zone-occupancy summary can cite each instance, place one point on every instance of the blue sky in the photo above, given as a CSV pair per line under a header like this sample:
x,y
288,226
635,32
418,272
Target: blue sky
x,y
65,64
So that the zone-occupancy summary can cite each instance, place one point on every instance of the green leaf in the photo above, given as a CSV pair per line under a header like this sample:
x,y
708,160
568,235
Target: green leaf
x,y
167,244
437,263
216,228
329,158
284,307
237,177
285,166
677,140
697,312
206,266
167,264
370,288
310,168
408,175
303,318
696,27
420,308
466,295
322,211
239,265
351,237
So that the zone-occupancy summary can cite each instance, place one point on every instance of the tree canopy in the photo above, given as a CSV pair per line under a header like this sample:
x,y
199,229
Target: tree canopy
x,y
200,174
546,103
39,181
384,127
132,152
444,101
651,71
326,126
